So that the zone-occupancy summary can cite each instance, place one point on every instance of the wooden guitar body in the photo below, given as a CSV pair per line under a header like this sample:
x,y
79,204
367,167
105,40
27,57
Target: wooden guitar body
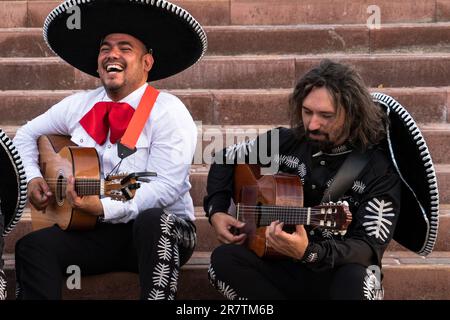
x,y
257,190
60,158
260,200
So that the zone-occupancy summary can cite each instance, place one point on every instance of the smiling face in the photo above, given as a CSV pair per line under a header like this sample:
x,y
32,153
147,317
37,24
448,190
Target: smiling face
x,y
123,64
323,123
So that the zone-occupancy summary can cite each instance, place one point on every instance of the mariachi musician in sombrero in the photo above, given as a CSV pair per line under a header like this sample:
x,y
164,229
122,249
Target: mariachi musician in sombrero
x,y
133,128
13,195
346,146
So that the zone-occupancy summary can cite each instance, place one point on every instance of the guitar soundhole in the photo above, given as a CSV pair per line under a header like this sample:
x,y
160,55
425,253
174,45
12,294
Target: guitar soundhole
x,y
60,190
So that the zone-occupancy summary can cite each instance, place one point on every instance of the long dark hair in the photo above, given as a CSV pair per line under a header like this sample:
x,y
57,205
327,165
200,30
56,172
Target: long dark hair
x,y
364,121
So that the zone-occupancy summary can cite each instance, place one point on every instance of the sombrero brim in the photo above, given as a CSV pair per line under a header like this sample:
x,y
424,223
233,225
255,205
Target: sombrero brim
x,y
418,222
13,189
178,41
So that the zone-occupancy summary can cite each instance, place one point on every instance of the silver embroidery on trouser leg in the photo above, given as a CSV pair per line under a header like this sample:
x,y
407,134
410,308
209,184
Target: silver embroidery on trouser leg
x,y
222,287
3,292
17,289
211,275
175,233
372,287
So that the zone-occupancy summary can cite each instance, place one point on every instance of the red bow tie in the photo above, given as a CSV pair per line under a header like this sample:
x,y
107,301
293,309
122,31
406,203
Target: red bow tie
x,y
107,115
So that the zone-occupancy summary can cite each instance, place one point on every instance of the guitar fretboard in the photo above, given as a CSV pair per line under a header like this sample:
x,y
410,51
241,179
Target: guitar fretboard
x,y
287,215
264,215
87,187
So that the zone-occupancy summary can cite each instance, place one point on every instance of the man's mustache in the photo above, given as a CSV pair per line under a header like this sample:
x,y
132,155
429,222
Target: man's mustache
x,y
316,133
113,60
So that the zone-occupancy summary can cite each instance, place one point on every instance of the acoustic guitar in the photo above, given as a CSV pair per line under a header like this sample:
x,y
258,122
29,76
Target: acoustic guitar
x,y
262,199
60,158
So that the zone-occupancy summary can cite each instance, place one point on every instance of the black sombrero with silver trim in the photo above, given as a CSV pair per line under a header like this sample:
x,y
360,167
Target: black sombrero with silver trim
x,y
13,186
417,226
177,40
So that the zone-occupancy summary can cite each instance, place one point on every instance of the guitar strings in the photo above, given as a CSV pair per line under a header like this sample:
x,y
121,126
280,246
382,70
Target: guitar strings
x,y
289,221
266,220
83,182
287,207
76,179
284,211
293,214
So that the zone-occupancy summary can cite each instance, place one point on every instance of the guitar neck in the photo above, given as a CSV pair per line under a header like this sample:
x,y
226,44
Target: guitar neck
x,y
88,187
265,215
288,215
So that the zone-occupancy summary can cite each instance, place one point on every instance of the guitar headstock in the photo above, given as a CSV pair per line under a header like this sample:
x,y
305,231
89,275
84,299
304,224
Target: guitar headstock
x,y
333,215
122,187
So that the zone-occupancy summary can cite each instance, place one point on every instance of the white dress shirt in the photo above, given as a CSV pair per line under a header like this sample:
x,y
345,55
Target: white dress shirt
x,y
166,146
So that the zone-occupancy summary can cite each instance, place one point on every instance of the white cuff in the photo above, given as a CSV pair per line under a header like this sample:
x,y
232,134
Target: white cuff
x,y
32,172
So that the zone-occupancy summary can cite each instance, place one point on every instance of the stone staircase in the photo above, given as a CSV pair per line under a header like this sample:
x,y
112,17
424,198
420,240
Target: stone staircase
x,y
257,50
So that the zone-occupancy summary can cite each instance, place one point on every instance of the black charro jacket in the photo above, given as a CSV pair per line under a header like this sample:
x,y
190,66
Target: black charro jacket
x,y
374,199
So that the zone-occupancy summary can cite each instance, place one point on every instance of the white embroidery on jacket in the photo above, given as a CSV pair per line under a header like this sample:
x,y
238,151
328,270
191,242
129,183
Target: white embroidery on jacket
x,y
302,170
359,186
241,149
377,224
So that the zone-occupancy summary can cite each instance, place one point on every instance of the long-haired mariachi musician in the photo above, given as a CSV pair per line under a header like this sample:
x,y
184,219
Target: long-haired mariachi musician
x,y
363,152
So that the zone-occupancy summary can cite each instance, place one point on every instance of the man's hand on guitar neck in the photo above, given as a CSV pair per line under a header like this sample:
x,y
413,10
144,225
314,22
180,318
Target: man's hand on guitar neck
x,y
88,204
39,193
222,223
289,244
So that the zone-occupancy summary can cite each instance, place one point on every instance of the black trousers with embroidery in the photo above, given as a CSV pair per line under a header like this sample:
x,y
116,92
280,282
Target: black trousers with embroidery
x,y
155,245
238,273
2,274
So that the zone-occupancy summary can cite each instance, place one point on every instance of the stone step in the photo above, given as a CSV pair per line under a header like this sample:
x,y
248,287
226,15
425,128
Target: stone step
x,y
207,239
32,13
216,137
443,174
273,12
406,276
295,39
231,107
193,283
240,72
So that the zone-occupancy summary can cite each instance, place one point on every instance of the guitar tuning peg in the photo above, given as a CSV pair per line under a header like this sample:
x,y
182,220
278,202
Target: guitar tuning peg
x,y
345,203
134,186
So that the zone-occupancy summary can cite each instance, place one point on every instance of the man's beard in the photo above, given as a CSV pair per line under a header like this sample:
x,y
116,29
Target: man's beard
x,y
112,87
323,145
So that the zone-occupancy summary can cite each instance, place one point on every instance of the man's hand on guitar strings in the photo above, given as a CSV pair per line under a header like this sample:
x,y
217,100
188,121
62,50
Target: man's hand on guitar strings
x,y
290,244
39,193
88,204
223,223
